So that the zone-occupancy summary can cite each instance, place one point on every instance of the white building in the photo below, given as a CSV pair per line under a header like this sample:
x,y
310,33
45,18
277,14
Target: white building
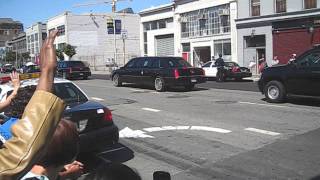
x,y
89,34
276,28
193,29
35,35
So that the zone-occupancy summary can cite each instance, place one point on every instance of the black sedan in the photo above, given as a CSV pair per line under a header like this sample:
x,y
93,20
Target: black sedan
x,y
233,70
159,72
73,69
94,121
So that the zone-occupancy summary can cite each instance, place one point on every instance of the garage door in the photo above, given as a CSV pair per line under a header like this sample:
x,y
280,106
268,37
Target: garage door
x,y
165,45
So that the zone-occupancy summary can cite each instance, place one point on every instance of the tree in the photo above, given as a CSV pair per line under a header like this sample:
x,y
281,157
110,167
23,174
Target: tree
x,y
10,56
60,54
25,55
69,50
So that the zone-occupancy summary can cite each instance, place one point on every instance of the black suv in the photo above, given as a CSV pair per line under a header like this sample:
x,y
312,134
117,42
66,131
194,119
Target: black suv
x,y
160,72
73,69
300,77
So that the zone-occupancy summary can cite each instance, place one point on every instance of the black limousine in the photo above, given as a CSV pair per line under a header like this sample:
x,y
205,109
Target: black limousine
x,y
160,72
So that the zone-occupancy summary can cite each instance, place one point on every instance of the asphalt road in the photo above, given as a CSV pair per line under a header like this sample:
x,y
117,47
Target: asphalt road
x,y
211,133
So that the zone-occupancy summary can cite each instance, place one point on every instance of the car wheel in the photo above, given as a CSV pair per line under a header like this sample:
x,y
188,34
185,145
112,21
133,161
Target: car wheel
x,y
159,84
189,87
275,92
116,80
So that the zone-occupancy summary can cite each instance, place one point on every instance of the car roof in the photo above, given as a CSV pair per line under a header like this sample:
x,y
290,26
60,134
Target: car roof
x,y
28,82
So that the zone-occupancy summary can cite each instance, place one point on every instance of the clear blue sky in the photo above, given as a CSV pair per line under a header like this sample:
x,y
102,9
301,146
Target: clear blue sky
x,y
31,11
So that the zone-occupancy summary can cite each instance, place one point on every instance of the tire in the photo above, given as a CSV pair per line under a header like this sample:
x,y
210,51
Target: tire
x,y
116,80
275,92
189,87
159,84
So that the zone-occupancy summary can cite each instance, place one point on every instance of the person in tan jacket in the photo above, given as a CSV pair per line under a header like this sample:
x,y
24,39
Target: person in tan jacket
x,y
33,132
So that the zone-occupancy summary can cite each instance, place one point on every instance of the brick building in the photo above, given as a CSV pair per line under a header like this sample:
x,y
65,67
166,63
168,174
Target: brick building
x,y
276,28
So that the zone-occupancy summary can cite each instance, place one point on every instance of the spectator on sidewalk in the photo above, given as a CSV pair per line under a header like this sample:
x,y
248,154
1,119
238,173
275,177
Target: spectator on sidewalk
x,y
275,61
220,65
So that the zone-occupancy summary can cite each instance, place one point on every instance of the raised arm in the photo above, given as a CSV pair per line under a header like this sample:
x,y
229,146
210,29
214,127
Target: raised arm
x,y
32,133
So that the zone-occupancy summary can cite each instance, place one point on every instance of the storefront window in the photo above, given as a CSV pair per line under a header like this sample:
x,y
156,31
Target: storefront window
x,y
222,47
281,6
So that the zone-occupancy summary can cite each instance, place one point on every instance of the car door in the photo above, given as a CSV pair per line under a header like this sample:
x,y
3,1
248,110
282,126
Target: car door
x,y
150,68
303,78
137,71
126,72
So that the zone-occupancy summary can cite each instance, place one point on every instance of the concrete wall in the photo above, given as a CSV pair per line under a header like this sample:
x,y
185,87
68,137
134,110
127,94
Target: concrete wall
x,y
89,34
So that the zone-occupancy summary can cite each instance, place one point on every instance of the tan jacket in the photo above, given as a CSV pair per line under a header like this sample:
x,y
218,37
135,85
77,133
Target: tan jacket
x,y
30,135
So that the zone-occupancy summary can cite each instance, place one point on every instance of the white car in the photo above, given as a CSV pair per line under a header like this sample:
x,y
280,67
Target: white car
x,y
210,69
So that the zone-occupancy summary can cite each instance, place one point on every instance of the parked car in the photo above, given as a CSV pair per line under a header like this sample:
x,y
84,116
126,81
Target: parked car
x,y
160,72
232,70
30,69
94,120
7,68
300,77
73,69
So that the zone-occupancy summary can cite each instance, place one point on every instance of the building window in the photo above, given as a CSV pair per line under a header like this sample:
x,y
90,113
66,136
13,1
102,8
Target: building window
x,y
281,6
222,47
32,38
203,22
44,36
162,24
255,7
309,4
36,37
61,30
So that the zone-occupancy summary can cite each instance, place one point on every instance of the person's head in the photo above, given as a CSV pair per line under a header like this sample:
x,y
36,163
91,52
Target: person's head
x,y
19,103
220,55
113,171
64,146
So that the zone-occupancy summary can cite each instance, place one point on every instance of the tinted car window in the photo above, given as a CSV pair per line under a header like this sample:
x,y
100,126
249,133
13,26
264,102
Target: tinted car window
x,y
155,63
75,64
69,93
231,64
130,64
311,60
140,63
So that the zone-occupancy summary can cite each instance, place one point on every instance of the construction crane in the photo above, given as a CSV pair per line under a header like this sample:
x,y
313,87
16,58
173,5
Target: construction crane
x,y
97,2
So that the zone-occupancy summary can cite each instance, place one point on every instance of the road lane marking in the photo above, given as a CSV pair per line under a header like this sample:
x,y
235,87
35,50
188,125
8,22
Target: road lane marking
x,y
97,99
262,131
153,129
211,129
258,104
129,133
150,109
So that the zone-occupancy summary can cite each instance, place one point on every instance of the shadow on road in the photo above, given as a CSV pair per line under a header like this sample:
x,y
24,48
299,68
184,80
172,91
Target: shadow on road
x,y
231,80
118,153
303,101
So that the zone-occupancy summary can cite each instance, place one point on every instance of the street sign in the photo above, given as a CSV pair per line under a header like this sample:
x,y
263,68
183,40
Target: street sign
x,y
124,34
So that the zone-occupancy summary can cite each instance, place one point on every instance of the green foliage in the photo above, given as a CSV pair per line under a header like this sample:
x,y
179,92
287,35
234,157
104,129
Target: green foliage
x,y
10,56
59,54
25,55
69,50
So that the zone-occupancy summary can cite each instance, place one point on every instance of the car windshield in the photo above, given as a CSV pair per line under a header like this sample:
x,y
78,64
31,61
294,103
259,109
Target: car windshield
x,y
69,93
76,64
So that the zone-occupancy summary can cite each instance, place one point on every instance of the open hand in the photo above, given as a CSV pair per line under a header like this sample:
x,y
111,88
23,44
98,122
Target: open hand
x,y
48,58
15,80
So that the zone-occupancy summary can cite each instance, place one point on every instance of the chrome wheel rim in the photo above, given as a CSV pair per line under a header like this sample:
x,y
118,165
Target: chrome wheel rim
x,y
158,84
273,92
115,80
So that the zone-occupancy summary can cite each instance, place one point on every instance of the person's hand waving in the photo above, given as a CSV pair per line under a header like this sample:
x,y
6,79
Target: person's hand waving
x,y
48,63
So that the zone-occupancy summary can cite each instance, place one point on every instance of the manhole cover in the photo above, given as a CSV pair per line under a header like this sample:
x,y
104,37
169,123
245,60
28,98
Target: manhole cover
x,y
225,102
178,96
